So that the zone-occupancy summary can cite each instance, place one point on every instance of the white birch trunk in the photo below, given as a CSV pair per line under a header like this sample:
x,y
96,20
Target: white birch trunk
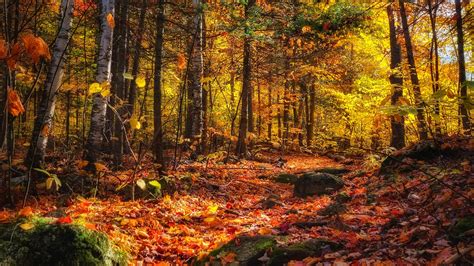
x,y
196,74
99,103
43,121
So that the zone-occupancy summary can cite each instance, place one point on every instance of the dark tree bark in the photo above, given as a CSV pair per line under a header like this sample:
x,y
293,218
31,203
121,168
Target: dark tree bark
x,y
463,112
132,94
397,123
413,74
246,84
119,60
310,122
434,68
157,98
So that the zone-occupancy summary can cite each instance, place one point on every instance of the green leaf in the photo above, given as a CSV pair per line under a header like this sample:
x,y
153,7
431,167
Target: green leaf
x,y
127,76
141,184
155,184
42,171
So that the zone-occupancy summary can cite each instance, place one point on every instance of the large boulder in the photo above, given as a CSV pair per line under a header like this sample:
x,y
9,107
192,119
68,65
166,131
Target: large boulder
x,y
54,244
311,184
300,251
243,250
333,170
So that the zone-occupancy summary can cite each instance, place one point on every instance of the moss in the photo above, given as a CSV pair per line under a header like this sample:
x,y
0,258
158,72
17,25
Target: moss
x,y
52,244
286,178
248,249
299,251
462,226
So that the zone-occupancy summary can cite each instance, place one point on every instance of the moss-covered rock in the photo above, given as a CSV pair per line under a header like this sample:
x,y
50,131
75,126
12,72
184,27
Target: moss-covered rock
x,y
299,251
310,184
54,244
247,250
286,178
333,170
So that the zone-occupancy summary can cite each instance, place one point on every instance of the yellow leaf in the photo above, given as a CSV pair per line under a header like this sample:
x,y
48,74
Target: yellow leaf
x,y
105,93
209,220
134,123
27,226
265,231
212,209
140,82
111,21
95,88
49,183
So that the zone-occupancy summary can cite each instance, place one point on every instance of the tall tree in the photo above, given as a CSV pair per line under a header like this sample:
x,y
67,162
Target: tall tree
x,y
119,67
44,118
434,56
246,83
397,122
195,93
465,117
99,102
413,73
157,85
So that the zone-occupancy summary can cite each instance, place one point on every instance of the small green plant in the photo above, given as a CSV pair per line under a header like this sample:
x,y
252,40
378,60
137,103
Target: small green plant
x,y
52,178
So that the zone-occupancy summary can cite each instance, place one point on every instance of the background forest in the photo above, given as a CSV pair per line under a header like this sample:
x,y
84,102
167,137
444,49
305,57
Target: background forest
x,y
134,90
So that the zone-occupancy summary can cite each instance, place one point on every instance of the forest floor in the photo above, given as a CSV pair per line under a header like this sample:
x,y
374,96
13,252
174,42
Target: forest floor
x,y
410,217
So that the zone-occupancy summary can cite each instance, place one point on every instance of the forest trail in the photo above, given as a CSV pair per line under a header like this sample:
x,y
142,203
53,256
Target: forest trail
x,y
213,203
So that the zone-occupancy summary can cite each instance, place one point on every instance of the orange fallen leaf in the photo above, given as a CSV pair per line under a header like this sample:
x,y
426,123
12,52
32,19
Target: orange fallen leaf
x,y
25,212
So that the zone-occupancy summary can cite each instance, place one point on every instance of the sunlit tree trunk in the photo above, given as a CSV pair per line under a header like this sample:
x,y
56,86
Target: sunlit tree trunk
x,y
434,69
270,114
310,122
99,103
157,86
413,74
396,80
44,118
246,83
464,113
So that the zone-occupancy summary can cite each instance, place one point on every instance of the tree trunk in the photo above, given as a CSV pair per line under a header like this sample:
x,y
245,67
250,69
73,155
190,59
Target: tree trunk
x,y
99,103
194,118
270,114
413,74
119,58
157,86
44,118
463,112
396,80
310,123
132,94
434,69
246,84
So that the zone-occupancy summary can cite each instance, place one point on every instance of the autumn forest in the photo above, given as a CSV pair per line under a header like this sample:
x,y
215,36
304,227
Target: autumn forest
x,y
236,132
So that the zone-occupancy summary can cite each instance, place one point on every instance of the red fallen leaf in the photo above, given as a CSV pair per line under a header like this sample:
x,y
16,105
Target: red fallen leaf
x,y
396,212
65,220
284,227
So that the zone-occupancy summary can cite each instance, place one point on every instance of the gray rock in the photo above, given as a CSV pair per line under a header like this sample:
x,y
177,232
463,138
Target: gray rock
x,y
286,178
310,184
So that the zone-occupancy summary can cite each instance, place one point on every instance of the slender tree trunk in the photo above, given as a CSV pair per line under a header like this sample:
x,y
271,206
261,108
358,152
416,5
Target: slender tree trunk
x,y
246,84
196,74
132,95
232,98
99,103
310,123
270,114
44,118
434,68
396,80
463,111
413,74
157,86
119,58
